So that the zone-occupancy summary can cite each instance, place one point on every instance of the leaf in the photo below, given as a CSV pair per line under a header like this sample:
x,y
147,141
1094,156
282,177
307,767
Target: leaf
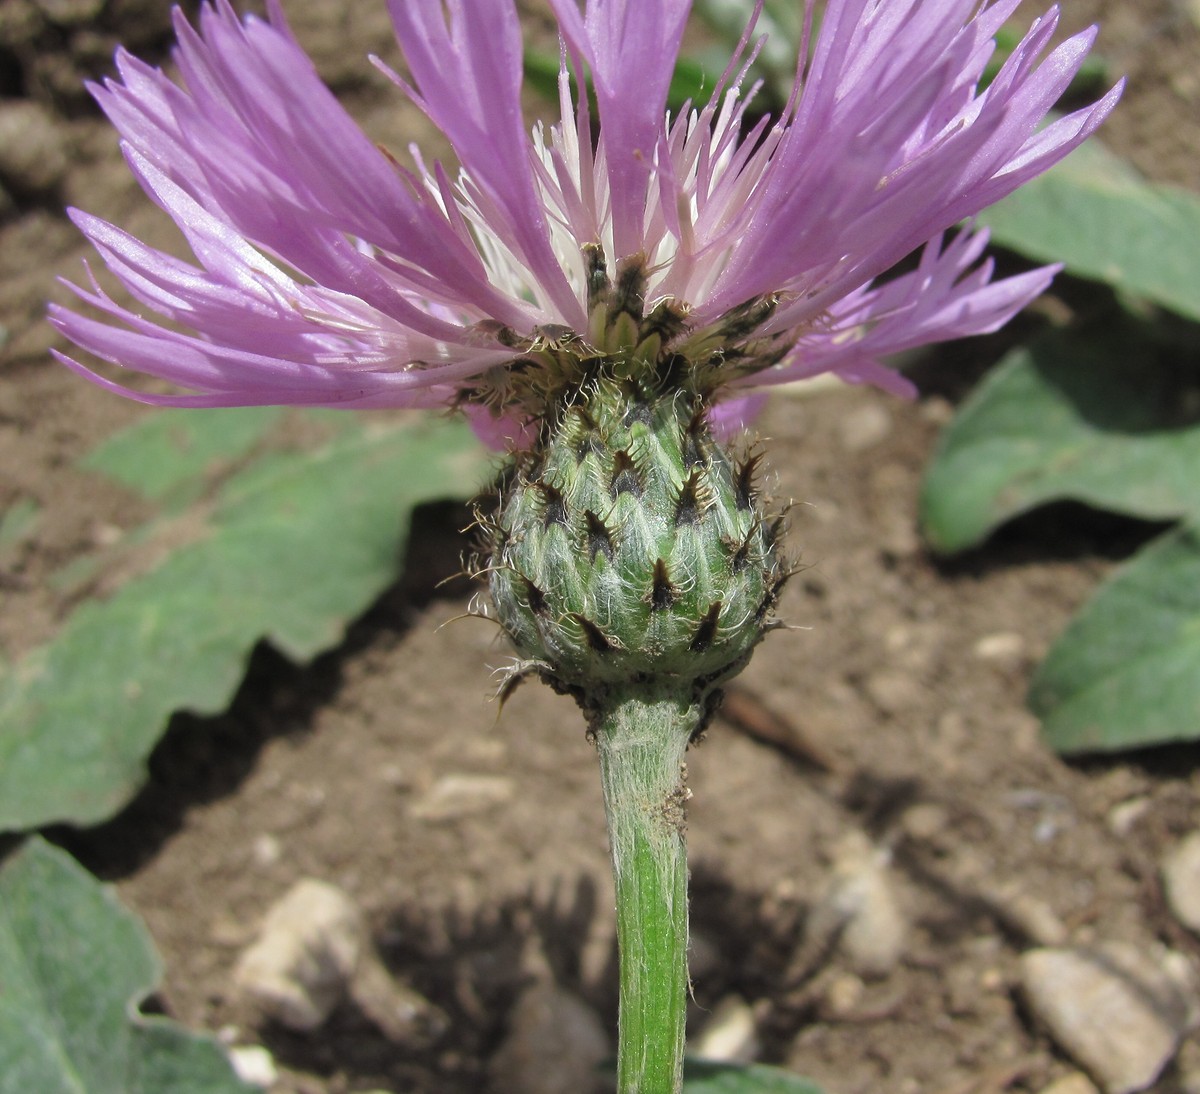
x,y
1089,415
168,456
74,965
1126,673
289,548
17,521
705,1077
1096,215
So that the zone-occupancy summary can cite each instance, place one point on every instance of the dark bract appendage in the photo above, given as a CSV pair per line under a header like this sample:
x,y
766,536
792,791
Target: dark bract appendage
x,y
630,550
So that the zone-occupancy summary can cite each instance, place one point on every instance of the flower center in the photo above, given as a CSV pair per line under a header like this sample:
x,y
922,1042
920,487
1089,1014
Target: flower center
x,y
653,349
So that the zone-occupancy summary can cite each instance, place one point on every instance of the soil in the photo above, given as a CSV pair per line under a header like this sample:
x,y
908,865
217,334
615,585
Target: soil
x,y
901,688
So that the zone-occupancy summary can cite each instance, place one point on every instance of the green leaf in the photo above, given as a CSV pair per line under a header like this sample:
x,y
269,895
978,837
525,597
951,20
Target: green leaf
x,y
289,548
169,456
703,1077
74,966
17,521
1096,215
1126,673
1088,415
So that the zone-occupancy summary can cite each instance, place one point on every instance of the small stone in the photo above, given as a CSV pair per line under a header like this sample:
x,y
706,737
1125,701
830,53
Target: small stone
x,y
556,1044
843,994
894,691
729,1035
456,796
1114,1009
395,776
993,979
865,427
1075,1083
253,1064
300,966
267,850
1003,646
106,534
859,910
926,822
1019,910
936,410
1181,880
33,156
1124,815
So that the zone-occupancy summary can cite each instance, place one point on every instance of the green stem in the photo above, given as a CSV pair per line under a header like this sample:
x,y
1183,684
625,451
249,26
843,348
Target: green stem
x,y
641,741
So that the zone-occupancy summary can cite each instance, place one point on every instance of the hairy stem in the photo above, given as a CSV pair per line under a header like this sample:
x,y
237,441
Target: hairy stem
x,y
641,741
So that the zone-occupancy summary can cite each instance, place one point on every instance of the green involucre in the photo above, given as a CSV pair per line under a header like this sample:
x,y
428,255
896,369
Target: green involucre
x,y
629,549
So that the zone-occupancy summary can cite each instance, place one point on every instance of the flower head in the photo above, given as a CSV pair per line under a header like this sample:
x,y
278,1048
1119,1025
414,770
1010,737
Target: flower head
x,y
328,274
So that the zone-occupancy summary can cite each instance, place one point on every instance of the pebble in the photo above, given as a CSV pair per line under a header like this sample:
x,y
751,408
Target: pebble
x,y
556,1044
843,994
266,849
894,691
927,822
936,410
864,427
253,1064
1117,1011
730,1034
1002,646
1181,880
1022,912
1124,815
454,796
1075,1083
33,156
859,910
312,951
300,966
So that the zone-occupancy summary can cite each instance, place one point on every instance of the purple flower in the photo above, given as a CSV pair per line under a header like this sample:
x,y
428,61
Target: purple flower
x,y
327,274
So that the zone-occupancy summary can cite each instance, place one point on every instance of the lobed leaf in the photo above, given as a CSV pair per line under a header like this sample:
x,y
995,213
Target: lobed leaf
x,y
1088,415
1096,215
74,967
168,457
1126,672
289,548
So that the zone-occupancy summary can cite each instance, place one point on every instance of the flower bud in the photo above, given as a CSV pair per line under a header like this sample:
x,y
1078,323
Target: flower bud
x,y
630,550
